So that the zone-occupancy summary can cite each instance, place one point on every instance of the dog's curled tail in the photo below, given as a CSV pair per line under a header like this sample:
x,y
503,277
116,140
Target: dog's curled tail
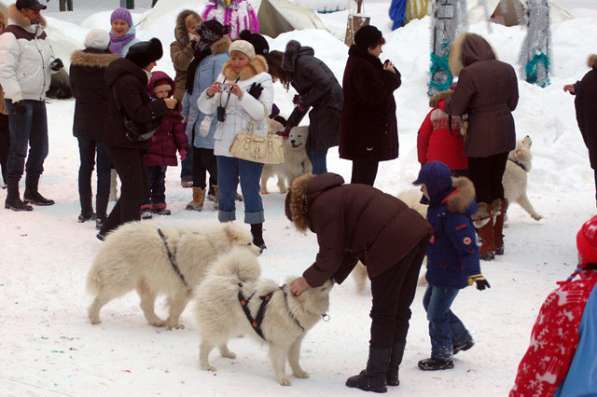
x,y
240,263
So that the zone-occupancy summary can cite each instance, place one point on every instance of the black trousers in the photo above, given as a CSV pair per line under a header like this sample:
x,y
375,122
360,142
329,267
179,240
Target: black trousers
x,y
156,184
595,172
486,174
364,171
4,143
131,171
393,293
204,161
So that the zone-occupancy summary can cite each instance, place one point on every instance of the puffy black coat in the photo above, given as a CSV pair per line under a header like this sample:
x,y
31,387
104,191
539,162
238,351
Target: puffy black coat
x,y
368,127
91,92
318,88
128,84
586,111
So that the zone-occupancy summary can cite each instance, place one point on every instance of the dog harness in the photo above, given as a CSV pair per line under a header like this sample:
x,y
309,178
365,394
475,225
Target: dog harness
x,y
518,163
265,299
172,259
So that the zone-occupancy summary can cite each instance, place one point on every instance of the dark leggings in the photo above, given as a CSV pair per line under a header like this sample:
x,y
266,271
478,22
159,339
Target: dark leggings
x,y
486,174
393,293
4,143
364,171
204,161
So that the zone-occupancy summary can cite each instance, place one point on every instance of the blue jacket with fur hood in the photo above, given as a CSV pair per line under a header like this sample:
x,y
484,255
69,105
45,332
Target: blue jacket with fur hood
x,y
453,253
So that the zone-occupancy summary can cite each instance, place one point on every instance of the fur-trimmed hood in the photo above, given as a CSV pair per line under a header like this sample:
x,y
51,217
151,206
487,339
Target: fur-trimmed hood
x,y
592,61
467,49
293,51
221,46
93,59
303,191
180,31
256,66
462,198
19,19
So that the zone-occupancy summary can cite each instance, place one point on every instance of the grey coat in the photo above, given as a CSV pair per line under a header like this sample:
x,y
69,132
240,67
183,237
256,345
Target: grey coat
x,y
318,88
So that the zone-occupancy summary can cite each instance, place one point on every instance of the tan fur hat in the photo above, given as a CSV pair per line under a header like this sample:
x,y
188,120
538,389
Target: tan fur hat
x,y
244,47
592,61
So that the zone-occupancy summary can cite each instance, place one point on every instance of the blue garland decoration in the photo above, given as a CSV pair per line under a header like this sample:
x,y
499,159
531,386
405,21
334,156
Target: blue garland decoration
x,y
531,70
398,13
441,76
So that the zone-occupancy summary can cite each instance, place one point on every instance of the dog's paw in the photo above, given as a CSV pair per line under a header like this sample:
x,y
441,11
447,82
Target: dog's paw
x,y
157,323
229,355
537,217
95,321
208,367
301,374
171,326
284,381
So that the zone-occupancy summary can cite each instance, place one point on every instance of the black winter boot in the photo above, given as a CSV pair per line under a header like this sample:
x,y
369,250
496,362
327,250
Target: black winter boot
x,y
13,198
32,194
374,377
395,360
435,364
257,232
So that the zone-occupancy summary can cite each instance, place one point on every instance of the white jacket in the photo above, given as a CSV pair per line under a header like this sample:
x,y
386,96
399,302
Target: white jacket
x,y
25,57
243,113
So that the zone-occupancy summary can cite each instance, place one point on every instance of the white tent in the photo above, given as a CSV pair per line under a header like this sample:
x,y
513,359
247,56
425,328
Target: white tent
x,y
477,11
280,16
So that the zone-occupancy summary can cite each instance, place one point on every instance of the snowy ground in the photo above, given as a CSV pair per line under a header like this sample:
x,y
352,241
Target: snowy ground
x,y
49,348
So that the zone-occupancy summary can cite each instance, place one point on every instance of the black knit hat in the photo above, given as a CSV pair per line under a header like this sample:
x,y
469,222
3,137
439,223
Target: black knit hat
x,y
145,52
258,41
368,37
211,31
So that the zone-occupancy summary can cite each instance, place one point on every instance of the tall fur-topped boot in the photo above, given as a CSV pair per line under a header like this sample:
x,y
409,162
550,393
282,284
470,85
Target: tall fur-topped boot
x,y
498,211
485,227
374,377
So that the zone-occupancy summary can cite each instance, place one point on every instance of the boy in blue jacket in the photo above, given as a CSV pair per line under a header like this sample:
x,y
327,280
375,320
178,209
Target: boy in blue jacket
x,y
452,260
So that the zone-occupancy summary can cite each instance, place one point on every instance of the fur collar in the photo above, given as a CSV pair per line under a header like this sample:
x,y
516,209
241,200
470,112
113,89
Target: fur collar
x,y
256,66
221,46
93,59
20,20
297,209
462,196
3,20
592,61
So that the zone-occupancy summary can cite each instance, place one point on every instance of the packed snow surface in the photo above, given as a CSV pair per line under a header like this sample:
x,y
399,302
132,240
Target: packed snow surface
x,y
49,348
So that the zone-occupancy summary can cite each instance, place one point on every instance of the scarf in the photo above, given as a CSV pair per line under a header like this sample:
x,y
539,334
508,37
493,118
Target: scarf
x,y
202,51
118,43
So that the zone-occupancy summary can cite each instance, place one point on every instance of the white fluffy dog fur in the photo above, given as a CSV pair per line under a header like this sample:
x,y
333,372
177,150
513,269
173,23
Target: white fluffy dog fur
x,y
412,198
220,316
134,257
296,161
515,177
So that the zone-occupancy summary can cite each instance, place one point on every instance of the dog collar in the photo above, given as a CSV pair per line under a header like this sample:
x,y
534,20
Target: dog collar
x,y
520,165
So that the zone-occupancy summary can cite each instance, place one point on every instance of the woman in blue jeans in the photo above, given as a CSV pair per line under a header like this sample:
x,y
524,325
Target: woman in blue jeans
x,y
452,260
91,94
241,100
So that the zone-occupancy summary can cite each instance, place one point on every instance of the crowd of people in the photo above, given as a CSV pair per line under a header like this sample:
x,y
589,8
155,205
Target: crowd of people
x,y
225,87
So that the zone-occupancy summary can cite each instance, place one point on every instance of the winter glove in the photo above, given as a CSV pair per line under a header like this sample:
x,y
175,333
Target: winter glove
x,y
433,102
56,65
255,90
481,282
275,111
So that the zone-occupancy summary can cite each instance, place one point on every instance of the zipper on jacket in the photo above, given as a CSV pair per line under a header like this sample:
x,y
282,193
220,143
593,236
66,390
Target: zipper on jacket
x,y
43,65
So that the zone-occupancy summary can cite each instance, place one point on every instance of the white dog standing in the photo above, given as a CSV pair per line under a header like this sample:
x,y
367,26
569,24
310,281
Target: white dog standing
x,y
169,260
232,287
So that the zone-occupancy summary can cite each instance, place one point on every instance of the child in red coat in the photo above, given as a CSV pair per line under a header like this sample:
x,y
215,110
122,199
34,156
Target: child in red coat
x,y
561,359
440,138
161,149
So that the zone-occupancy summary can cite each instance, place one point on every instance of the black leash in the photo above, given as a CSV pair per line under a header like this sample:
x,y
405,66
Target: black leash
x,y
520,165
172,259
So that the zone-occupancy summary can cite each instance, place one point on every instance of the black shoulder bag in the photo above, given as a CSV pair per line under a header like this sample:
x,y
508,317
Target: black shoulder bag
x,y
134,131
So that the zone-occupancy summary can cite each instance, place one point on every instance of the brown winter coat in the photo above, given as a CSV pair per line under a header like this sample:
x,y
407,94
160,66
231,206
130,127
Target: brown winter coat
x,y
352,222
368,127
181,52
487,91
586,109
3,22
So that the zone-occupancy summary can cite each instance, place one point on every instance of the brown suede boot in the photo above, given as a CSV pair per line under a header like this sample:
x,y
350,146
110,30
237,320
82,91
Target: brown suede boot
x,y
198,199
498,209
485,230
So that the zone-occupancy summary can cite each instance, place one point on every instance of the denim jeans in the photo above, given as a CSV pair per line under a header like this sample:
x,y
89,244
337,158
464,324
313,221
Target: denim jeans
x,y
186,165
88,149
156,184
230,169
319,161
28,130
445,329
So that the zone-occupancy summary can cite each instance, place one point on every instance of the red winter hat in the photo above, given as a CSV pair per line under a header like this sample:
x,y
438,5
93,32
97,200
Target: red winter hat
x,y
586,242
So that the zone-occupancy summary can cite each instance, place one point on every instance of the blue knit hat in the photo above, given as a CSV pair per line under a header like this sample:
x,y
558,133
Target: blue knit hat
x,y
122,14
437,177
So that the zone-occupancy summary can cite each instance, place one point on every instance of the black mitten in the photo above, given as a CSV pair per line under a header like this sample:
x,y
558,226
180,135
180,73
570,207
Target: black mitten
x,y
255,90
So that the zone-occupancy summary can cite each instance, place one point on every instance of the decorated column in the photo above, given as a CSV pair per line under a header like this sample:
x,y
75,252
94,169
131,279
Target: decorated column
x,y
535,55
448,20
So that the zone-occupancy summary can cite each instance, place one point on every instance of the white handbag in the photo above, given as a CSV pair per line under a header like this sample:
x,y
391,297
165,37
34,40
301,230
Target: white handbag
x,y
249,146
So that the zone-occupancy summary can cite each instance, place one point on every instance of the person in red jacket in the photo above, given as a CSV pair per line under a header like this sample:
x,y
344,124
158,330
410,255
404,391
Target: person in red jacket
x,y
440,137
161,150
560,360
